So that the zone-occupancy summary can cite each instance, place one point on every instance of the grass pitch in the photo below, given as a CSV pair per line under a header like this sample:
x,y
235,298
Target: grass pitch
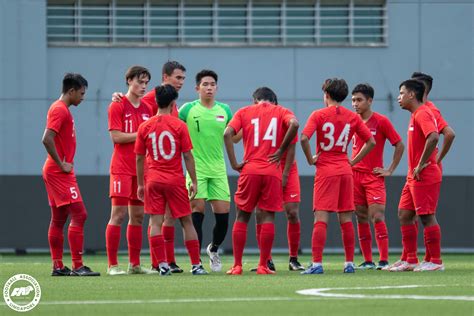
x,y
364,293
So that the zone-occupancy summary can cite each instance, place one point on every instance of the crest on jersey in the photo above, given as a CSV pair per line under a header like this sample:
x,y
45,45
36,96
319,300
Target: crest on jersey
x,y
220,118
145,117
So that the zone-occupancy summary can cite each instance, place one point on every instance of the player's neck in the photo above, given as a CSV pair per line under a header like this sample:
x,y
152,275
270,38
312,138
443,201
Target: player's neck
x,y
133,98
65,99
415,106
208,103
366,115
164,111
332,103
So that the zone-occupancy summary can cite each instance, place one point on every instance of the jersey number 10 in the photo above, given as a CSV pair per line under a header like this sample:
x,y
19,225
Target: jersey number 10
x,y
160,147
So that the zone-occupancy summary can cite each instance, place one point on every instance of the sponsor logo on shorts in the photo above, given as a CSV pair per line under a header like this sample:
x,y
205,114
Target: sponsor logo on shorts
x,y
376,198
417,208
293,195
22,292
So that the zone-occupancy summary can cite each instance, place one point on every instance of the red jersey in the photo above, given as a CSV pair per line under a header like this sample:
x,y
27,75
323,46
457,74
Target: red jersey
x,y
422,123
437,114
263,129
334,127
60,120
165,138
381,129
150,100
126,118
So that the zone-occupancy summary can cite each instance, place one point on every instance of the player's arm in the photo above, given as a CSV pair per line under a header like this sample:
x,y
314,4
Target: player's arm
x,y
397,156
290,158
293,126
229,133
430,146
307,150
237,138
366,148
191,168
448,138
48,142
119,137
140,182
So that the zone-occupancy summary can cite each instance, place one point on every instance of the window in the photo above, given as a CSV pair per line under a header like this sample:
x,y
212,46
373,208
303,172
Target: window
x,y
217,22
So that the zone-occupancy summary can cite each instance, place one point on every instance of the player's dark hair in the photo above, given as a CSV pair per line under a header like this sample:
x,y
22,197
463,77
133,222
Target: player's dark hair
x,y
165,95
416,86
265,94
73,81
336,88
205,73
170,66
425,78
136,72
364,88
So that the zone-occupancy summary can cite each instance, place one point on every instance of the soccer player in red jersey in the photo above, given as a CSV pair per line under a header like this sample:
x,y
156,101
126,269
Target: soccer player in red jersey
x,y
448,138
291,202
163,139
174,74
421,191
369,177
260,180
64,196
124,119
333,183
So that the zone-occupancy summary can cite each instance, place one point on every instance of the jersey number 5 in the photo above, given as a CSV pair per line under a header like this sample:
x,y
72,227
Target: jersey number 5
x,y
342,140
270,134
161,137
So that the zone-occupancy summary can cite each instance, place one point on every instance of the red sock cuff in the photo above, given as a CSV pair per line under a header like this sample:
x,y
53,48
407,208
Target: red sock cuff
x,y
55,231
240,226
320,224
432,229
168,232
76,229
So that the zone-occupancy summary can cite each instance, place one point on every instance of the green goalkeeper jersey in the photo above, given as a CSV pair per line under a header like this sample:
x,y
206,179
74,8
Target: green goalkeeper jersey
x,y
206,128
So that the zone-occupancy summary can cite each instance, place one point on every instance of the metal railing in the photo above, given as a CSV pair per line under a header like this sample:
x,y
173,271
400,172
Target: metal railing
x,y
218,24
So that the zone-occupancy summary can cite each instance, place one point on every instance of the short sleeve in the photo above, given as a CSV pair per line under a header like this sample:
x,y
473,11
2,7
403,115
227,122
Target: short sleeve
x,y
115,116
140,142
184,112
55,118
362,130
439,120
390,132
229,113
186,144
427,122
236,121
311,125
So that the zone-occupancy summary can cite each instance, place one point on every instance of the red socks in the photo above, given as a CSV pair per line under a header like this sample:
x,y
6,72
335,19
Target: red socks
x,y
365,240
157,247
112,242
432,236
239,238
154,261
258,231
293,232
76,243
267,236
348,240
168,235
134,239
318,241
56,241
193,250
409,235
381,237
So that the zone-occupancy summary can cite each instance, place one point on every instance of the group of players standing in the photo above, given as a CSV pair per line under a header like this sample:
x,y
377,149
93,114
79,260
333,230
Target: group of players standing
x,y
151,137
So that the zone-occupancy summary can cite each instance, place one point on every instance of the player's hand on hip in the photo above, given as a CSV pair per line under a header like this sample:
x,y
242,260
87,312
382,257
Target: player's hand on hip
x,y
381,172
315,158
238,167
117,97
192,191
418,169
66,167
141,193
275,157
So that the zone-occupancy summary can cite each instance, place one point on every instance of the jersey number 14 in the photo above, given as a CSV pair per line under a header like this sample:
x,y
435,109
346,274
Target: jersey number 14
x,y
270,134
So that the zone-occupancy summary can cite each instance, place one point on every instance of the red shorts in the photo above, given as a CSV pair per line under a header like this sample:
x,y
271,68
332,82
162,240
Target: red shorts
x,y
263,191
158,195
334,193
62,188
421,199
292,191
368,189
124,186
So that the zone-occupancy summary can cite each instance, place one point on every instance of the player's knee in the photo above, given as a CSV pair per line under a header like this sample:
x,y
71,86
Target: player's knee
x,y
378,217
292,216
428,220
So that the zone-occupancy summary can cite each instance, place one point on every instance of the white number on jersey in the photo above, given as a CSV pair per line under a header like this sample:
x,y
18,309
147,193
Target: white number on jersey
x,y
270,134
342,140
128,126
73,191
166,156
